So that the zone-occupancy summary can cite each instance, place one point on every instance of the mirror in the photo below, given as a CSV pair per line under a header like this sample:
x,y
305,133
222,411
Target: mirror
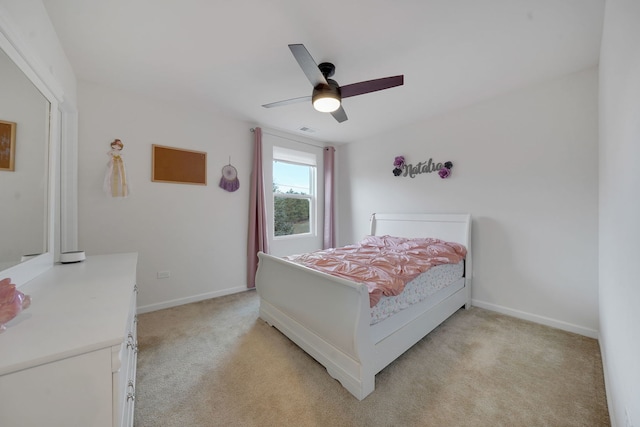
x,y
30,97
24,189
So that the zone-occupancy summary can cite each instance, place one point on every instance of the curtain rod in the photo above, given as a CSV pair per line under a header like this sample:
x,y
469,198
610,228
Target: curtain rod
x,y
289,139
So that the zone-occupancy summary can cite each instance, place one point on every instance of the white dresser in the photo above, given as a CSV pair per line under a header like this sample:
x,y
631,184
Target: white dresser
x,y
70,358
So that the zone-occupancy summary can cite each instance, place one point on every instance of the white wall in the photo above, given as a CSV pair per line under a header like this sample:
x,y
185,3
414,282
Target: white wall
x,y
526,168
620,209
36,31
198,233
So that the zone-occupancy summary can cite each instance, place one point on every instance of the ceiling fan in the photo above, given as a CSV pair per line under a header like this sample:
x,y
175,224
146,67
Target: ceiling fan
x,y
327,94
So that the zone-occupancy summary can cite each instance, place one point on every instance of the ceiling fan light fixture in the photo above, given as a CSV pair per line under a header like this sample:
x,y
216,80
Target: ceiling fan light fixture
x,y
326,104
326,98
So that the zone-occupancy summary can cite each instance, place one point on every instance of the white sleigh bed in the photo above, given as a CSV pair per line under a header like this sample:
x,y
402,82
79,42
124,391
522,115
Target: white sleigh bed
x,y
329,317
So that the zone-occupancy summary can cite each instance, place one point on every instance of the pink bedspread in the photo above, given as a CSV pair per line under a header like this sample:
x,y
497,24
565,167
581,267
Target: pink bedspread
x,y
383,263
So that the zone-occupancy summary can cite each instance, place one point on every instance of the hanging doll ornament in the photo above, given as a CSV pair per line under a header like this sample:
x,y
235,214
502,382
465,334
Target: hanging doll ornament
x,y
115,181
229,180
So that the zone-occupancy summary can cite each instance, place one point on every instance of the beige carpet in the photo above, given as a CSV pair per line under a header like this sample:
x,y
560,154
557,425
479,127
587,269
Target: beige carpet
x,y
215,363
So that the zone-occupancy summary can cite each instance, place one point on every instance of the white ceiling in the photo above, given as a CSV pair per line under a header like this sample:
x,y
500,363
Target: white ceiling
x,y
232,56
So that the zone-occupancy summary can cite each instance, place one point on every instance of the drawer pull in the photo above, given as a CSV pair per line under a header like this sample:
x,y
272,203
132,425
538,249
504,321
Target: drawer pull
x,y
131,343
131,391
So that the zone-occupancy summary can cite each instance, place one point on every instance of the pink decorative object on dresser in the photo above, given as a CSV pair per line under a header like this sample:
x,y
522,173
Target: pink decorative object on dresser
x,y
12,302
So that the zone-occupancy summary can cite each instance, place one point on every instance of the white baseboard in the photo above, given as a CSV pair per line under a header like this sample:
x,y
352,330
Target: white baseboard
x,y
187,300
558,324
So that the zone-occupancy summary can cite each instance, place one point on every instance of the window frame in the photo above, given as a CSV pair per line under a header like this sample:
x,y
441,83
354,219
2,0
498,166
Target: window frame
x,y
312,197
308,151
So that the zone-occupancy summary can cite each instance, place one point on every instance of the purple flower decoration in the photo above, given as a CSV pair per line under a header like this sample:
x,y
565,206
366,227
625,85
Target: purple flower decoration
x,y
398,162
445,172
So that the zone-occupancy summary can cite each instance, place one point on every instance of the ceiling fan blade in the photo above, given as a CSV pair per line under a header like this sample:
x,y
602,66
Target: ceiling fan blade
x,y
308,65
340,115
371,86
288,101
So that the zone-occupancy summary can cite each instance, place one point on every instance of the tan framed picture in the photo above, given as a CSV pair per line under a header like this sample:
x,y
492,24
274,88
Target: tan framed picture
x,y
7,145
177,165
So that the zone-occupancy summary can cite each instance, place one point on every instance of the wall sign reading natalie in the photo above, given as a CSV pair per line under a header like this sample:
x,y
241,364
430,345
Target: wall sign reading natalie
x,y
401,168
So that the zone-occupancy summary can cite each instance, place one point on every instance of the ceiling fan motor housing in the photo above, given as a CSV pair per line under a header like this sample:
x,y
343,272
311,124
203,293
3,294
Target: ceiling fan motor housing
x,y
327,89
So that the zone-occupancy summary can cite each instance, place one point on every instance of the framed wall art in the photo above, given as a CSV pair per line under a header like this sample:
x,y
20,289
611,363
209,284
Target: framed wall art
x,y
178,165
7,145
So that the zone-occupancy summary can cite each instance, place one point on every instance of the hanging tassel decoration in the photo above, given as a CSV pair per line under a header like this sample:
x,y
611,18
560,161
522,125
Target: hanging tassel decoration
x,y
115,180
229,181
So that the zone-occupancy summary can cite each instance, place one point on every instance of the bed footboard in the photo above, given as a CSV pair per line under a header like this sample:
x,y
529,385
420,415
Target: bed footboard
x,y
326,316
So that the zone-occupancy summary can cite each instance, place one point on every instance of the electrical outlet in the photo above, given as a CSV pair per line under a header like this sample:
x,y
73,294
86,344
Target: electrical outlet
x,y
163,274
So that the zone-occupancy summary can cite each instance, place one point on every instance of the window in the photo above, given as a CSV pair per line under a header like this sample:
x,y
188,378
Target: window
x,y
294,194
293,170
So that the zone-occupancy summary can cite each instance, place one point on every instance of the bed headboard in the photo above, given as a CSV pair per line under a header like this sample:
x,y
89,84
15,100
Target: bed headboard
x,y
445,226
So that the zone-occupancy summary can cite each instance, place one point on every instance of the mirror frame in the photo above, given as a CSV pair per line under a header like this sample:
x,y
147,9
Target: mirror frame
x,y
16,49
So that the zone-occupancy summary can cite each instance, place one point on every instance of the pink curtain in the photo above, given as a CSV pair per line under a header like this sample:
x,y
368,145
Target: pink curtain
x,y
329,240
257,213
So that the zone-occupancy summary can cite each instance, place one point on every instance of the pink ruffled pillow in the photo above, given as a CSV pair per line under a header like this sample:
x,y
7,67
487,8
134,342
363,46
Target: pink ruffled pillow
x,y
12,302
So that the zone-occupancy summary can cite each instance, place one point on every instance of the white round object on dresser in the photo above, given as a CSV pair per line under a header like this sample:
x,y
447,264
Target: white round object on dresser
x,y
71,257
